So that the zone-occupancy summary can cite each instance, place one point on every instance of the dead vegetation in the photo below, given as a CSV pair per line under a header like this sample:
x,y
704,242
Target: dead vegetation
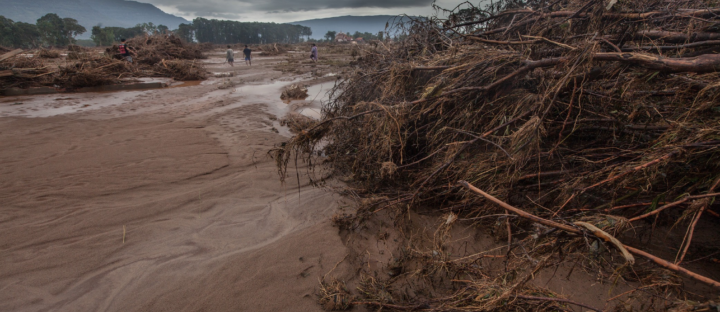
x,y
158,56
577,129
273,49
294,92
48,53
152,50
296,122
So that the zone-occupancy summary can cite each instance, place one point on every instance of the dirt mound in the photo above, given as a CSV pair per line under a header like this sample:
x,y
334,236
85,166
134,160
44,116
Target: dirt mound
x,y
597,123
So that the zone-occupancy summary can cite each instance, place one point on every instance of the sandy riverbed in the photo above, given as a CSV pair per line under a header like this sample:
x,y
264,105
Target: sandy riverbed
x,y
160,200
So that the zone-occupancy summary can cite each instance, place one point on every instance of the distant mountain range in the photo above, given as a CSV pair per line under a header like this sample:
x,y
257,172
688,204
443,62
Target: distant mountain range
x,y
119,13
124,13
349,24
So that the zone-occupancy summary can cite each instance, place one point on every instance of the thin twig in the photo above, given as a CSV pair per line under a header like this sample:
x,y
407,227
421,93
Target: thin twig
x,y
570,229
673,204
558,300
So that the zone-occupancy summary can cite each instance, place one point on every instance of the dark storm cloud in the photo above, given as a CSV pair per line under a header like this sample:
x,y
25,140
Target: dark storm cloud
x,y
228,8
307,5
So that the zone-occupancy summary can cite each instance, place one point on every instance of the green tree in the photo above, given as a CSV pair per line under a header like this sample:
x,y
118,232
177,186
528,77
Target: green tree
x,y
148,28
224,32
27,35
102,36
330,35
52,30
127,33
7,32
162,29
72,29
185,32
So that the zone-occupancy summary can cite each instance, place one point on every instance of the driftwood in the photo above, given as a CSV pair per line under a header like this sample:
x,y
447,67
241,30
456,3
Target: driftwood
x,y
700,64
676,37
570,229
10,54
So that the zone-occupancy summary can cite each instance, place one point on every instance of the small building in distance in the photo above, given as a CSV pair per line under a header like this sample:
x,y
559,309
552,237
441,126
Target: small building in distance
x,y
360,40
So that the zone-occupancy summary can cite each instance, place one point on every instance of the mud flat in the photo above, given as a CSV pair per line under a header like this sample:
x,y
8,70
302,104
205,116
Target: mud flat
x,y
160,200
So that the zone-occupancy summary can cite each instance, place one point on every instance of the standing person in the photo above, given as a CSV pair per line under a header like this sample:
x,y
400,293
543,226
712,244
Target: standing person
x,y
248,59
126,51
314,53
230,56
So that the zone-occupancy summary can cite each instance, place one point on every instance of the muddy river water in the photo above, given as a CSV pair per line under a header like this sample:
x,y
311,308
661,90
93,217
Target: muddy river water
x,y
161,200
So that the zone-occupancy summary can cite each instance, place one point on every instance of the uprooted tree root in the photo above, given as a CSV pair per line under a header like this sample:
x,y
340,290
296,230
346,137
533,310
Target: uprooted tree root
x,y
600,118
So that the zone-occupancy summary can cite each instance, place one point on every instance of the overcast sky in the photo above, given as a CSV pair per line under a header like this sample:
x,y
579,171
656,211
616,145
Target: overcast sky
x,y
282,11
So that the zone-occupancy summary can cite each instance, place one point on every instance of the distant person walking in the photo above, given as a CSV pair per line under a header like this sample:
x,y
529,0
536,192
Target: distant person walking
x,y
230,56
248,59
314,53
126,51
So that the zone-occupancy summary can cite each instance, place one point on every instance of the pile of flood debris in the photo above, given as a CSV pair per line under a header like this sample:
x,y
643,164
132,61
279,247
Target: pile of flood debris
x,y
294,92
583,132
157,56
273,49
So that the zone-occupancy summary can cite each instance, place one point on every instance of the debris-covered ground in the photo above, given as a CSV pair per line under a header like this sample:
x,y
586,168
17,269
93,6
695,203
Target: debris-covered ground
x,y
157,56
583,136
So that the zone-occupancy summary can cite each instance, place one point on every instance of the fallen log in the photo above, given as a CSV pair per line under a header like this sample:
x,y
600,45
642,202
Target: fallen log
x,y
10,54
567,228
670,48
700,64
676,37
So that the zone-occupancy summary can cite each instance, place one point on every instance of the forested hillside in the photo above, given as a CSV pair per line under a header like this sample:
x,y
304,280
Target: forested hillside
x,y
350,24
223,31
89,13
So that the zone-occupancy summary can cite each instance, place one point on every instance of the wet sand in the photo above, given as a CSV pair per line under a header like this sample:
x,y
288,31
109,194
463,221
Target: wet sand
x,y
159,200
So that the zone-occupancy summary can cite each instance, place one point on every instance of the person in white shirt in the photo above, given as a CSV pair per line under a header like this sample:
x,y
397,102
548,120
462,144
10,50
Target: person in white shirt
x,y
230,56
314,53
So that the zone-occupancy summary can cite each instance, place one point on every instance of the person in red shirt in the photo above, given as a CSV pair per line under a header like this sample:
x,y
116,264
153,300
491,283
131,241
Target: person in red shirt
x,y
126,51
